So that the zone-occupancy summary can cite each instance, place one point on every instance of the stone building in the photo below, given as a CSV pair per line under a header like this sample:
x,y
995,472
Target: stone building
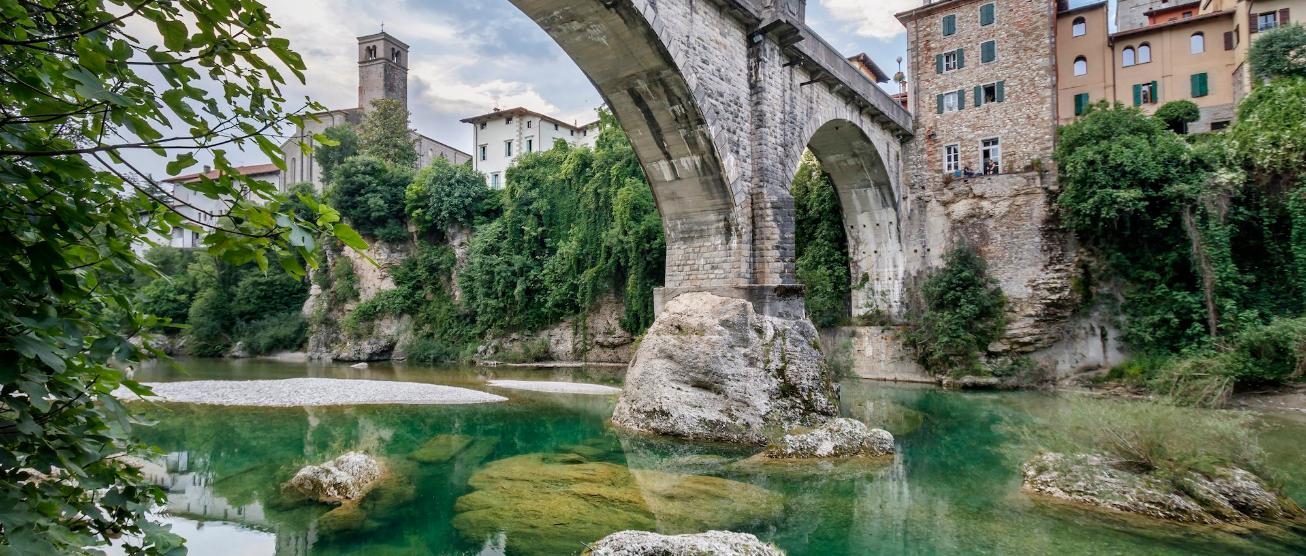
x,y
983,102
382,74
503,135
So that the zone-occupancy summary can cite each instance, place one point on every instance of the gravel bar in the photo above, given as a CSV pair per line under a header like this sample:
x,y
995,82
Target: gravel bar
x,y
300,392
556,387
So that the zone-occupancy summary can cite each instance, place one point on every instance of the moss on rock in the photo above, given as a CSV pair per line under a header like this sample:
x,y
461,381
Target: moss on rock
x,y
547,506
441,448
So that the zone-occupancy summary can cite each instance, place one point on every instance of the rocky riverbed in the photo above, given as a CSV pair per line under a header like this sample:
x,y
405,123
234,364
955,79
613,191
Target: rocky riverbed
x,y
307,392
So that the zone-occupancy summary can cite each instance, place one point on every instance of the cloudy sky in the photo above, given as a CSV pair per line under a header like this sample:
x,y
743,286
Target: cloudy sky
x,y
468,56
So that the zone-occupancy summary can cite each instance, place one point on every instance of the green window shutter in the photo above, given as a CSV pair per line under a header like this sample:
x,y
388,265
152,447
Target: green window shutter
x,y
1197,82
1138,95
961,99
940,98
1001,92
1156,99
979,97
986,14
988,51
961,58
1206,86
938,63
1081,104
949,25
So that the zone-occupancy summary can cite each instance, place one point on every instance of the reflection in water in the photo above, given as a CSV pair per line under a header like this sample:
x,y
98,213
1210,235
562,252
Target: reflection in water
x,y
953,487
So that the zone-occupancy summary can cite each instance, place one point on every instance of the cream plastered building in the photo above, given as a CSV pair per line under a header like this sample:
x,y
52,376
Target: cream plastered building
x,y
502,136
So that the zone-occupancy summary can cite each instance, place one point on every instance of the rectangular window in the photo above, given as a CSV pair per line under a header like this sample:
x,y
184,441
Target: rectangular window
x,y
949,25
507,148
482,125
484,150
1217,126
508,120
1200,85
952,159
530,124
988,15
988,51
494,180
1145,93
530,145
991,156
1266,21
950,61
951,102
1081,104
989,93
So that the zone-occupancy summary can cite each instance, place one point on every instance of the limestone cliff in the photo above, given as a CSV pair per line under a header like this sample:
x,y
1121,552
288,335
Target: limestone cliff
x,y
337,290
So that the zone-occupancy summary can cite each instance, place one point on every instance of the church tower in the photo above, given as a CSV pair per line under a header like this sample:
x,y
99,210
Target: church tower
x,y
382,70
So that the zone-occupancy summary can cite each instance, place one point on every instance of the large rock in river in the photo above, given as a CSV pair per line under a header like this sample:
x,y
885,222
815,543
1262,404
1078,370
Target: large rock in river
x,y
1226,496
347,478
712,368
711,543
836,438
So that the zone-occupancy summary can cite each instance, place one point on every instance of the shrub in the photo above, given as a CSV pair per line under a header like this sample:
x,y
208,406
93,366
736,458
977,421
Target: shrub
x,y
330,157
169,296
258,294
343,281
1272,353
1149,436
427,349
1280,52
370,194
1177,114
959,314
530,351
273,333
822,247
209,318
447,194
1270,134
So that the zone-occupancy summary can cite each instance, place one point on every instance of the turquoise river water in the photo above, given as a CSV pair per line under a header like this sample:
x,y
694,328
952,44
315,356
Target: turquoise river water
x,y
953,487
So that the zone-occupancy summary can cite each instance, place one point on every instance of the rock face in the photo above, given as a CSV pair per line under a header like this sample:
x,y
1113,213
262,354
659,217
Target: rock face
x,y
1228,496
553,503
601,340
712,368
837,438
711,543
387,337
347,478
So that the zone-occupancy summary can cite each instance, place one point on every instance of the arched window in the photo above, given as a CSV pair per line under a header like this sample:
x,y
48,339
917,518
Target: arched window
x,y
1197,44
1144,53
1081,66
1079,27
1127,58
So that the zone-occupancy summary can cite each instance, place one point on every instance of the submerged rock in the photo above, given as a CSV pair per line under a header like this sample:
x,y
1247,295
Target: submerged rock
x,y
343,519
347,478
547,506
712,368
711,543
441,448
1228,496
836,438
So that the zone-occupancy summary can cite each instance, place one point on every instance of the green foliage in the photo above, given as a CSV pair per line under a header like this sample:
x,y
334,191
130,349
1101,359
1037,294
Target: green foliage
x,y
959,314
1177,114
343,285
1270,134
822,265
369,193
274,332
72,208
1280,52
329,157
385,136
447,194
1152,437
576,223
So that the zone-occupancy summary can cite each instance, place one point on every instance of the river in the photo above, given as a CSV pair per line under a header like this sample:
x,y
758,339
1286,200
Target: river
x,y
953,487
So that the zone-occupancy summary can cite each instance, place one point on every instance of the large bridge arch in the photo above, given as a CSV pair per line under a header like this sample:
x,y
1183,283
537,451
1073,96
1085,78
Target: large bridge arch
x,y
717,97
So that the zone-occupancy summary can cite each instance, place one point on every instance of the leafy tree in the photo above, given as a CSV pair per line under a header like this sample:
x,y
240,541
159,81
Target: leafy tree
x,y
331,156
1177,114
74,104
385,135
960,314
369,193
1270,134
822,264
447,194
1279,52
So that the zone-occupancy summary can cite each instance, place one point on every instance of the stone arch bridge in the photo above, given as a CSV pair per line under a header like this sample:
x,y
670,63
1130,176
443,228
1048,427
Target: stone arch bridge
x,y
719,99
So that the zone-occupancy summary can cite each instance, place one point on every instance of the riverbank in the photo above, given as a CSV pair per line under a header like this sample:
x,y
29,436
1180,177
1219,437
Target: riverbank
x,y
309,392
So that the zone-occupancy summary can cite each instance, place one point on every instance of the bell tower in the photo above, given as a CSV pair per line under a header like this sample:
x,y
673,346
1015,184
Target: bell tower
x,y
382,69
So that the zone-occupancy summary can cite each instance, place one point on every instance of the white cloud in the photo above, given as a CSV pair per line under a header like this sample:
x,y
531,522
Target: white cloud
x,y
870,18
